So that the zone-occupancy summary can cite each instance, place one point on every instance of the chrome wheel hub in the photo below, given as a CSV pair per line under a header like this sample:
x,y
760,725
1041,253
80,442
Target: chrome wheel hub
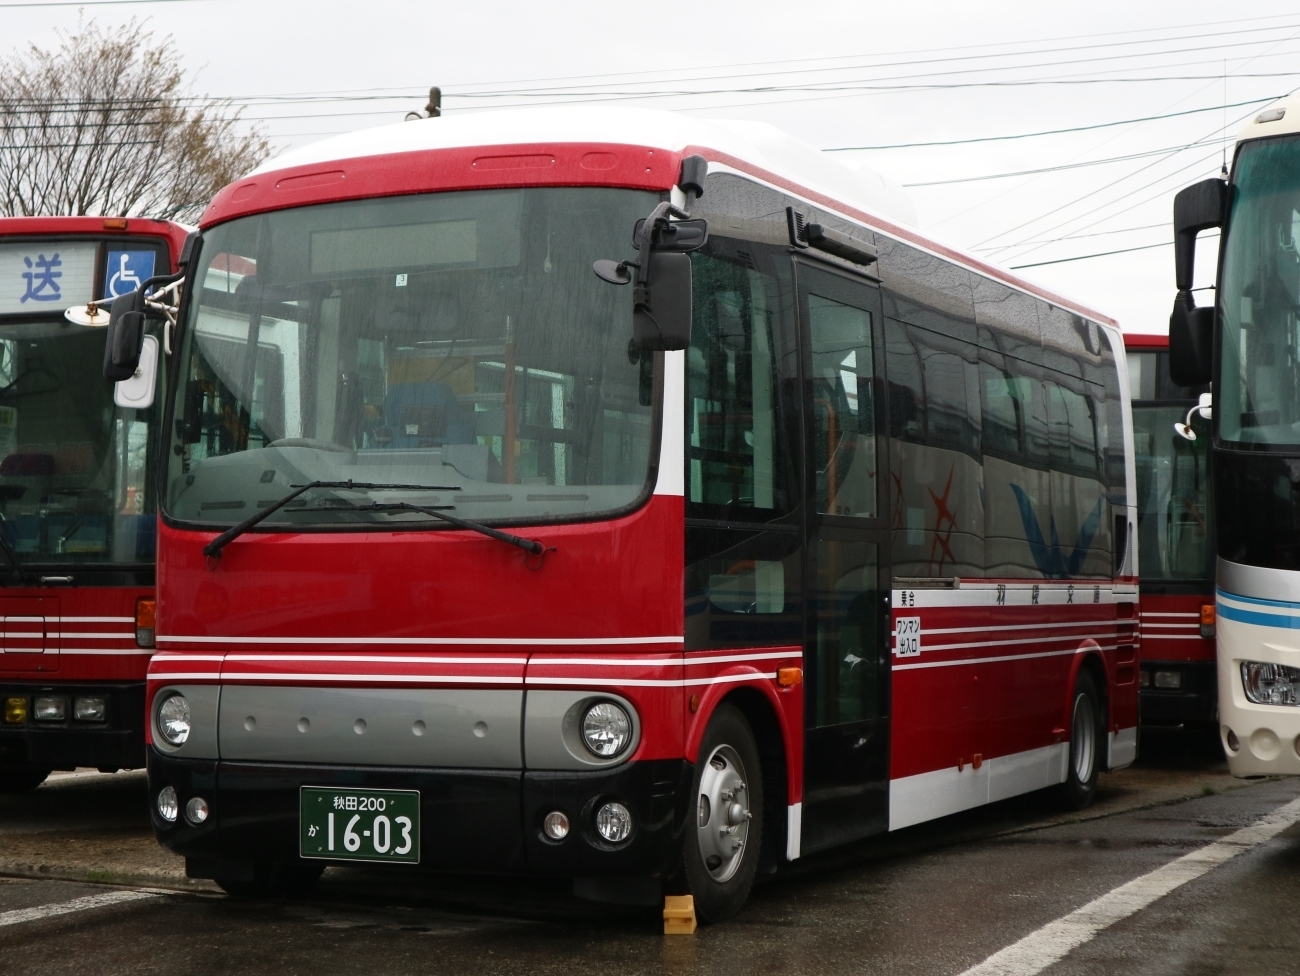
x,y
1083,733
722,813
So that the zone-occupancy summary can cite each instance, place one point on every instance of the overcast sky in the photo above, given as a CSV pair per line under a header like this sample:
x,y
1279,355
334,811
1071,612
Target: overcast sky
x,y
883,74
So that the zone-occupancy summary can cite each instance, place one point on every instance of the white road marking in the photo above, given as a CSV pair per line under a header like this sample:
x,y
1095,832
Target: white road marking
x,y
86,903
1040,949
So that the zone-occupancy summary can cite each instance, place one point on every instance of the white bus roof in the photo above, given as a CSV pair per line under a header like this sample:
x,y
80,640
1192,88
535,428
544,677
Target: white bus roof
x,y
1278,118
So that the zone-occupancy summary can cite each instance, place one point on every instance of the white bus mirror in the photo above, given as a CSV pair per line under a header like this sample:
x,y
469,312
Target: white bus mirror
x,y
136,392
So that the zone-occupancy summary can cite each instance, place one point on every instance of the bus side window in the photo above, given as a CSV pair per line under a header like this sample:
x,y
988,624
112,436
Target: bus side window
x,y
844,434
737,464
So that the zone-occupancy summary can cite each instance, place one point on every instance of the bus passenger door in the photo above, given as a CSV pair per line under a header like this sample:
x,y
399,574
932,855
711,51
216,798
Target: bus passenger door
x,y
846,745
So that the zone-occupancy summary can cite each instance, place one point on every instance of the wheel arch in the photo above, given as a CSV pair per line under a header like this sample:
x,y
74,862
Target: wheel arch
x,y
761,715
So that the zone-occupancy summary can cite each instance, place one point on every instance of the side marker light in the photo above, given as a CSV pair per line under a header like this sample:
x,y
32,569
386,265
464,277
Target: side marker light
x,y
789,677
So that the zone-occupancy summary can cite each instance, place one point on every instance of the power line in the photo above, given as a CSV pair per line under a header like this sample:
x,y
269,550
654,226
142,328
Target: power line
x,y
1065,166
1055,132
94,3
1100,254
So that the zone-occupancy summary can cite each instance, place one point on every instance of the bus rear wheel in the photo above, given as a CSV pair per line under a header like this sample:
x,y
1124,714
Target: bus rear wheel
x,y
274,881
22,779
1086,724
725,831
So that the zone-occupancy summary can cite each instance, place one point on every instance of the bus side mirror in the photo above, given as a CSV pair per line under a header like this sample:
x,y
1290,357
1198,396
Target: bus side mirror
x,y
125,338
1191,341
662,309
1196,208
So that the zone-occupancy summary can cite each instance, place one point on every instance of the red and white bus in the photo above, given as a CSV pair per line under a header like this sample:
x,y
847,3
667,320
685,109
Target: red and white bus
x,y
1175,529
848,551
77,479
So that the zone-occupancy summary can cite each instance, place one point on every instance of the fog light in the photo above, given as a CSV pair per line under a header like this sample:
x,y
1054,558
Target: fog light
x,y
614,822
1144,679
606,729
89,709
1270,684
174,720
1169,679
1234,744
15,710
196,811
167,803
50,709
556,825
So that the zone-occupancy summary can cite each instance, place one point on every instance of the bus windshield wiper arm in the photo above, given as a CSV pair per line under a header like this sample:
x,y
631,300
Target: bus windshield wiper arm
x,y
530,546
213,549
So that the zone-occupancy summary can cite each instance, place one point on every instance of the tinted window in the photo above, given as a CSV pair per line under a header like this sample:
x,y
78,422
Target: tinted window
x,y
843,405
738,465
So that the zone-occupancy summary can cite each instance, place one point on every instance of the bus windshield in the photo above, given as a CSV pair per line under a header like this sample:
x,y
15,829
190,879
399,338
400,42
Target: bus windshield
x,y
446,340
1258,396
73,484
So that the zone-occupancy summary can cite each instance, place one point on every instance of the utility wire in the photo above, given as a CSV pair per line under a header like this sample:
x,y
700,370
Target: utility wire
x,y
1055,132
1101,254
1066,166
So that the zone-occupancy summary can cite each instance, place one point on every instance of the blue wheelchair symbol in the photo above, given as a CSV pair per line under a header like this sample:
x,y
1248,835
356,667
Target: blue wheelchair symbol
x,y
126,271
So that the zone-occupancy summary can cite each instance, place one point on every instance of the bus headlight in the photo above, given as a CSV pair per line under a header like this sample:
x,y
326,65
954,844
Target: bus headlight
x,y
174,720
606,729
1270,684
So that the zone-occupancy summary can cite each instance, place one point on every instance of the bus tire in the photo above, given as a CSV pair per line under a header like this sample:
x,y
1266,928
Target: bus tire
x,y
1086,725
274,881
724,830
22,779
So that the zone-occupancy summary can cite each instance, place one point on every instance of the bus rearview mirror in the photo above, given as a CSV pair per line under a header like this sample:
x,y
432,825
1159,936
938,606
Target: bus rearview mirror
x,y
662,307
1196,208
125,338
1191,339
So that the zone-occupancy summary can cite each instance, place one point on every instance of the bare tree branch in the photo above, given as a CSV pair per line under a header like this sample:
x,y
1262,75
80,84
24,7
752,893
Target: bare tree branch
x,y
104,124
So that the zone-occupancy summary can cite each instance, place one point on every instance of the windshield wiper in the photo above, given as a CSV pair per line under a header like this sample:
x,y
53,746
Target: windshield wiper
x,y
530,546
213,549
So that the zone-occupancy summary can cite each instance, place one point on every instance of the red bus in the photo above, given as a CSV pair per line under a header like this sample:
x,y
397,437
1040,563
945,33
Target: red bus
x,y
1175,543
77,503
471,559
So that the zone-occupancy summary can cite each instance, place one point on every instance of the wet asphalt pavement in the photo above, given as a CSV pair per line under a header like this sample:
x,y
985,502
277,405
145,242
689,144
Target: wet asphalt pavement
x,y
936,898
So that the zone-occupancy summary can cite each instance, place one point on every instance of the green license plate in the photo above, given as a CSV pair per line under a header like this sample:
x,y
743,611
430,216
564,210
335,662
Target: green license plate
x,y
359,825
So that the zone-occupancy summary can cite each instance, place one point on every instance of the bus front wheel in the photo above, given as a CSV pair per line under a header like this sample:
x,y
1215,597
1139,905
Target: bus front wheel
x,y
725,830
1086,724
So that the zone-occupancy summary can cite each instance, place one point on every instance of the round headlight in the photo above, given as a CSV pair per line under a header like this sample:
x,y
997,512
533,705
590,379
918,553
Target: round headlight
x,y
614,822
606,730
174,720
167,803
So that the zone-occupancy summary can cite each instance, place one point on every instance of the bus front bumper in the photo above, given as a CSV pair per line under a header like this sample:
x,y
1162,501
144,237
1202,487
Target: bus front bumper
x,y
471,821
1194,700
114,741
1259,740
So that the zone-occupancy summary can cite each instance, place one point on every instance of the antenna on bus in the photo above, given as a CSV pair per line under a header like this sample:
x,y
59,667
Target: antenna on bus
x,y
433,110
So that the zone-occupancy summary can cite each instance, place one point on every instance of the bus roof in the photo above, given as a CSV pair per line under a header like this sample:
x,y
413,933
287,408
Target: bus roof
x,y
574,146
98,227
1275,119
